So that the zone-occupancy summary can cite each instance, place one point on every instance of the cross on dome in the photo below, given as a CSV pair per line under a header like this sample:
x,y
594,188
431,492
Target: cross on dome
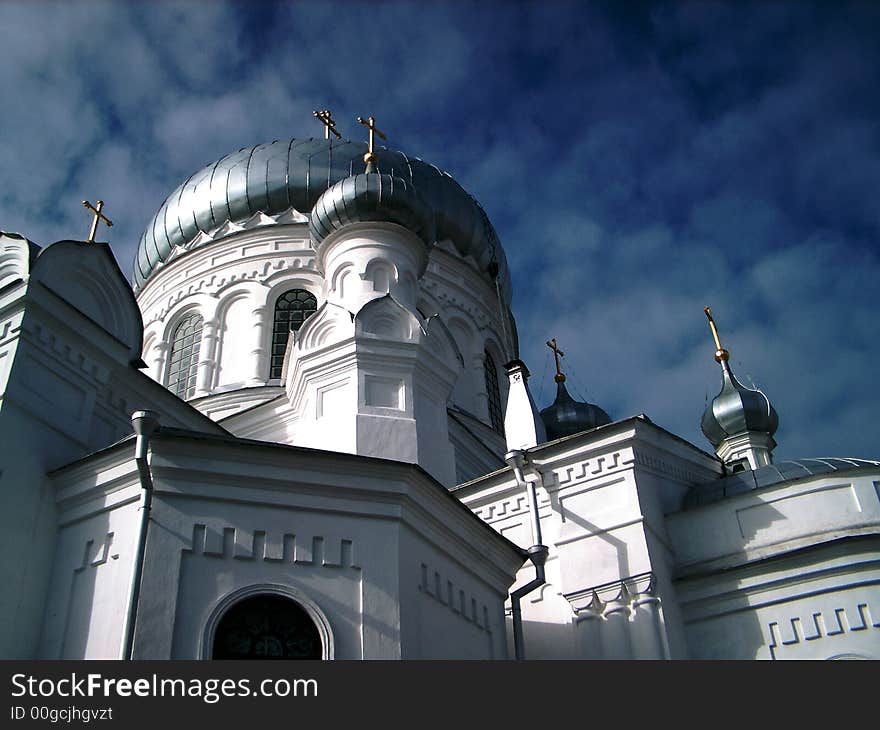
x,y
325,116
371,157
98,216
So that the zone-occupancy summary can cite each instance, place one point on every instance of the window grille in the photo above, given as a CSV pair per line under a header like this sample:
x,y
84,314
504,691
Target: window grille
x,y
291,310
184,361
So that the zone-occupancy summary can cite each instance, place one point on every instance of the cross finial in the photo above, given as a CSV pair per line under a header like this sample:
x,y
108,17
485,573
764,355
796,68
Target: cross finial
x,y
99,216
325,116
371,157
720,353
557,353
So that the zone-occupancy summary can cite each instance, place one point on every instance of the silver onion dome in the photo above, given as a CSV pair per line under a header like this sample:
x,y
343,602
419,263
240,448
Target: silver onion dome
x,y
292,174
737,409
568,416
372,197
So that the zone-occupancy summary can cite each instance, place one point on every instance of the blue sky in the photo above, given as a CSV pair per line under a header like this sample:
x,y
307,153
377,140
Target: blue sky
x,y
638,160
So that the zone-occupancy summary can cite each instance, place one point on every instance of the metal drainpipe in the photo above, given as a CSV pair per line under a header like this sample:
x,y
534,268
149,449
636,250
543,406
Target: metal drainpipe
x,y
145,424
537,552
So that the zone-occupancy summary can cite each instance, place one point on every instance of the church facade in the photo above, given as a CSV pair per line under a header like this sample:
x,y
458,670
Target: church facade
x,y
302,430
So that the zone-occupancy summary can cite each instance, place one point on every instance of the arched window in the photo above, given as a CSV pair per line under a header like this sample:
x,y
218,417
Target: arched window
x,y
184,361
267,626
493,393
291,310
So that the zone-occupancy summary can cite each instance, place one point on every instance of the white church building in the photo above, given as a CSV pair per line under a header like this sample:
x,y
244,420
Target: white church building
x,y
302,430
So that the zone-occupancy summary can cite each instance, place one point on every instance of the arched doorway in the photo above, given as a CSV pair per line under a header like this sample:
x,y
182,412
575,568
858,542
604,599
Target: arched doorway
x,y
267,626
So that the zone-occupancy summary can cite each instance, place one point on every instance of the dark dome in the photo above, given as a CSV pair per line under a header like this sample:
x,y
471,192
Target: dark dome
x,y
273,178
371,197
737,409
567,416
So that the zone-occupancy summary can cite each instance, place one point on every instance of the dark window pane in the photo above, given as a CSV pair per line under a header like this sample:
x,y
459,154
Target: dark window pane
x,y
496,414
291,309
267,627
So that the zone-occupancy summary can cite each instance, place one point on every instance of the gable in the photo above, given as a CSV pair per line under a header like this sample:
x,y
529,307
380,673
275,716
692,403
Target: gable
x,y
87,277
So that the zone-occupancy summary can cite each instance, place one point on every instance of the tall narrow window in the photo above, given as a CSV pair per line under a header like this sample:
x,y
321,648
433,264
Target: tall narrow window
x,y
184,361
496,416
291,310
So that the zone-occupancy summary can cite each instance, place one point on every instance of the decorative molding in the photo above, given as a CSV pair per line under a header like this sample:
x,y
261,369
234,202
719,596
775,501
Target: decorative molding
x,y
259,271
236,544
61,350
96,552
440,292
592,468
445,592
616,597
795,630
668,469
16,255
510,507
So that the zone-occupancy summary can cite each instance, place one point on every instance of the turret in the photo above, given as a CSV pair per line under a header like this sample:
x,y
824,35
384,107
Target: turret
x,y
368,373
567,416
739,422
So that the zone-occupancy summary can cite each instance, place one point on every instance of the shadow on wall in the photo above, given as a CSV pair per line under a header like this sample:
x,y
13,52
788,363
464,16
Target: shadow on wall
x,y
88,594
722,623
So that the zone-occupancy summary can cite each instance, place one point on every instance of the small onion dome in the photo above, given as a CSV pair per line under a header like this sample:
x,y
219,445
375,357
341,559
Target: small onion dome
x,y
371,197
567,416
737,409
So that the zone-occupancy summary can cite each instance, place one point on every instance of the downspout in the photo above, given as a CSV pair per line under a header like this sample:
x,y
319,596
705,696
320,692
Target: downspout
x,y
537,552
145,424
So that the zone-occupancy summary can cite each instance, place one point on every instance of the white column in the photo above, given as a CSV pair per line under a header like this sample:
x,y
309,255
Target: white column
x,y
160,354
207,357
648,629
259,352
616,629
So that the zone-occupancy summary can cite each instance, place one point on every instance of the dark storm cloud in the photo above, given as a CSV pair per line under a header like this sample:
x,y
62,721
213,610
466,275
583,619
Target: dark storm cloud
x,y
639,160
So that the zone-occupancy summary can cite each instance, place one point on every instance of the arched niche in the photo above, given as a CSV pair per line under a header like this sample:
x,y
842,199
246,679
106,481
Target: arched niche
x,y
267,622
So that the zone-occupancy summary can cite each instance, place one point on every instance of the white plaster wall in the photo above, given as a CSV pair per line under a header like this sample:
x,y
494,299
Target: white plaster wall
x,y
788,571
602,496
780,517
229,520
448,611
92,566
234,367
817,603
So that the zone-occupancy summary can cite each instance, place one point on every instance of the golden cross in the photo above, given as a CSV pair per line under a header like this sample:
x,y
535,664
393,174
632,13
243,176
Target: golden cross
x,y
96,209
720,352
557,353
325,116
371,125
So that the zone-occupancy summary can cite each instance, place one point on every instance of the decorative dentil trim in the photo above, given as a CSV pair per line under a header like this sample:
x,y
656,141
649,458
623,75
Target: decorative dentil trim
x,y
96,552
592,468
432,584
818,625
510,507
237,544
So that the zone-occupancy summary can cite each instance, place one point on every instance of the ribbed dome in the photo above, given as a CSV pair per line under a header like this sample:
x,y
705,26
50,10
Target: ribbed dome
x,y
371,197
273,178
568,416
737,409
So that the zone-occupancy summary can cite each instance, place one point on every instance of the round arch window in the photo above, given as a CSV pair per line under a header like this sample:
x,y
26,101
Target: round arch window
x,y
267,626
